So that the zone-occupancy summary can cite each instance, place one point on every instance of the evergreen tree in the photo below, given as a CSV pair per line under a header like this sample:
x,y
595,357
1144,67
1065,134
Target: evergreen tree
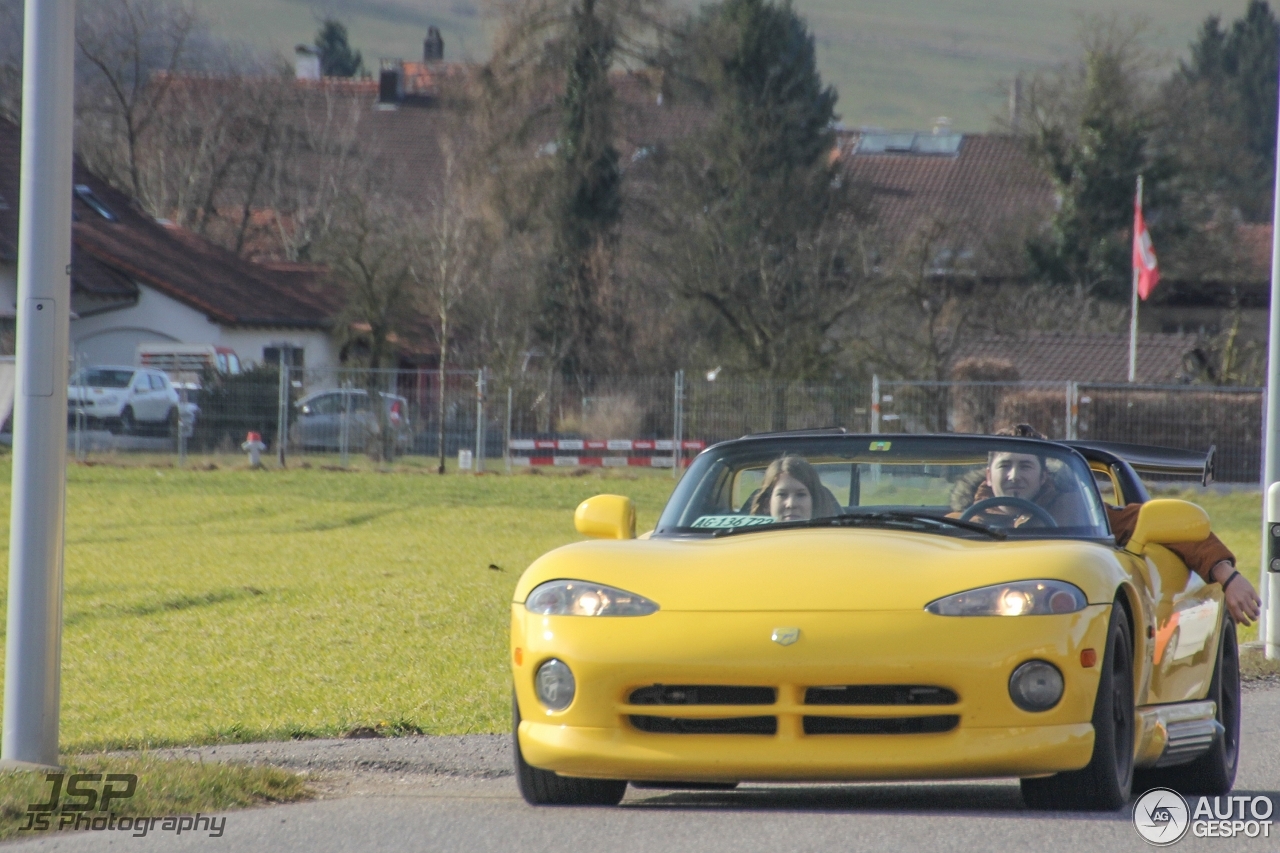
x,y
1231,78
587,204
756,227
337,59
1090,126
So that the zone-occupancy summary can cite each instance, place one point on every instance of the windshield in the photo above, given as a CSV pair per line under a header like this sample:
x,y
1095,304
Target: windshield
x,y
1017,488
103,378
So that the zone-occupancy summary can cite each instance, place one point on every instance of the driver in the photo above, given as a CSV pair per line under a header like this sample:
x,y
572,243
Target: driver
x,y
1015,476
1026,479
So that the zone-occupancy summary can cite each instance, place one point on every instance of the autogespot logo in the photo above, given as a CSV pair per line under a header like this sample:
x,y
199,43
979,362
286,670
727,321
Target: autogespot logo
x,y
1161,817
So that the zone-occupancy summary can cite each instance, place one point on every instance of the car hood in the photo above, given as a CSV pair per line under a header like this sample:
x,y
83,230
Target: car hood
x,y
847,570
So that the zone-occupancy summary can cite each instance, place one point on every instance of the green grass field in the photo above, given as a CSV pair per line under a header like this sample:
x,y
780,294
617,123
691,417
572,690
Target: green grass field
x,y
895,64
245,605
242,605
164,787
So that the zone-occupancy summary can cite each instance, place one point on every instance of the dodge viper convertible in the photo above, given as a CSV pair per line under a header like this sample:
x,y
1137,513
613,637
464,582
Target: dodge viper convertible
x,y
823,607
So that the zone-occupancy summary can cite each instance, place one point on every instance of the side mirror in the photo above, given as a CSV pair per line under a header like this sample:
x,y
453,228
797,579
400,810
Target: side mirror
x,y
1168,522
606,517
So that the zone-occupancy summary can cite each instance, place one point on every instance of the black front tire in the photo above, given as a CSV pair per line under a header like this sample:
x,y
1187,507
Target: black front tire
x,y
544,788
1105,783
128,424
1214,773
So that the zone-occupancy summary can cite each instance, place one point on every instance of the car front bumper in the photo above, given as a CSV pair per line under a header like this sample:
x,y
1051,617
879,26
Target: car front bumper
x,y
974,657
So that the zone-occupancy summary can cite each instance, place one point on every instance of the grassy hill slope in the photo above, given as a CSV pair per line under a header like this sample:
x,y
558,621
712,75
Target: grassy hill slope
x,y
898,64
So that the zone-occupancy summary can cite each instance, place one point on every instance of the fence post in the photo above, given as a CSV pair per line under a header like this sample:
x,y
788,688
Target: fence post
x,y
182,426
344,424
875,403
506,441
480,421
79,365
1073,409
282,413
678,427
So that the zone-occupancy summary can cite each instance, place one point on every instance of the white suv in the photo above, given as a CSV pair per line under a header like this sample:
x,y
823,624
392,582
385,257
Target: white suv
x,y
124,397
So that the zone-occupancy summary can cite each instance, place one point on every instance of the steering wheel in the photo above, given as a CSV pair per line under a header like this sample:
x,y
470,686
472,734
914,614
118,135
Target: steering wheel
x,y
1036,511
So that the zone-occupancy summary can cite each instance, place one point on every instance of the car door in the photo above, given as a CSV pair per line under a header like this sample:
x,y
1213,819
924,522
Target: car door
x,y
166,399
1188,613
319,421
141,398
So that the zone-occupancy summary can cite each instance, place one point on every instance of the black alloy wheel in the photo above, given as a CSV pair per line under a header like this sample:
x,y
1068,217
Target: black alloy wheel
x,y
1105,783
1213,774
545,788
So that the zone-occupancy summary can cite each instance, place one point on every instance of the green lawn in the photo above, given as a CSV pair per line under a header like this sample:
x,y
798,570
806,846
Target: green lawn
x,y
164,787
231,604
241,605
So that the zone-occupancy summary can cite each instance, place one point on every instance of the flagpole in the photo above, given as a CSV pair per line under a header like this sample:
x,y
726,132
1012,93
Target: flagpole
x,y
1133,312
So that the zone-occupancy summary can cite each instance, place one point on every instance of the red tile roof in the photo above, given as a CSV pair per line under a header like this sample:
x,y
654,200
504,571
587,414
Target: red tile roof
x,y
992,184
108,257
1064,356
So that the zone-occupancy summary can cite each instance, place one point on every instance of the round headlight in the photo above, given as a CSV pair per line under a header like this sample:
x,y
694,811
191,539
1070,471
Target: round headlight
x,y
554,685
1036,686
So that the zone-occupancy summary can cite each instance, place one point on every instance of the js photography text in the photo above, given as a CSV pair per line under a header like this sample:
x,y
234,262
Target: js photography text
x,y
87,806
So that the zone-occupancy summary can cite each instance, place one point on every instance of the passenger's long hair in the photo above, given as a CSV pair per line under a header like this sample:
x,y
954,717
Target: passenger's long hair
x,y
824,503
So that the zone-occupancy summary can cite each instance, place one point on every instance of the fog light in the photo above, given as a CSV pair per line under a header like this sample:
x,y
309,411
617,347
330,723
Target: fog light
x,y
1036,686
555,688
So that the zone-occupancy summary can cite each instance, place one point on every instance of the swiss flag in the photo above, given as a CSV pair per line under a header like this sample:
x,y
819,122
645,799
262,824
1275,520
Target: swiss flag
x,y
1144,254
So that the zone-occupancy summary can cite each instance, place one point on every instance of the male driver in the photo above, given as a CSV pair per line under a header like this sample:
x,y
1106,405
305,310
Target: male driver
x,y
1023,475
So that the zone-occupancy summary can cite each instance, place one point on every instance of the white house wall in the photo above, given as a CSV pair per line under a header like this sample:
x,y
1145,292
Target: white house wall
x,y
112,337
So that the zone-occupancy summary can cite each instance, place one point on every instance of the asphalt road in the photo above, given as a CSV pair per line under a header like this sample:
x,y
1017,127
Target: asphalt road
x,y
447,794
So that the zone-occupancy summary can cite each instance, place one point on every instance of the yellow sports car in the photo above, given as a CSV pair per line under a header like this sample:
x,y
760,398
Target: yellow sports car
x,y
824,606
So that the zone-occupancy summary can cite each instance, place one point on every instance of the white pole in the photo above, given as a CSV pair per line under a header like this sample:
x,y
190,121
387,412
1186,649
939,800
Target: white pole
x,y
1133,313
33,647
1270,579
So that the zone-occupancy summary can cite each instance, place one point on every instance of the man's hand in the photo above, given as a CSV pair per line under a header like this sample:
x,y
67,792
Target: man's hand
x,y
1241,598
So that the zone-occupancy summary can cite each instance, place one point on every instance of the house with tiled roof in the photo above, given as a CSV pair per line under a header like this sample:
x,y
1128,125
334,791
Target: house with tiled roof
x,y
1163,359
985,194
135,280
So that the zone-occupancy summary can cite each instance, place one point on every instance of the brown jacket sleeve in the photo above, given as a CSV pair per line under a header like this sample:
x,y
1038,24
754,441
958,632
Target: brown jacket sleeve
x,y
1200,557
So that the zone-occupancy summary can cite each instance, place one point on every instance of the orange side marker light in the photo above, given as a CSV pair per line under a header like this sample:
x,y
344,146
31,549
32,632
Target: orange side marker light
x,y
1088,657
519,656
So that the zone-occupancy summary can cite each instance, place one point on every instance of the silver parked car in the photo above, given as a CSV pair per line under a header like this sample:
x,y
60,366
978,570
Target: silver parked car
x,y
319,416
127,399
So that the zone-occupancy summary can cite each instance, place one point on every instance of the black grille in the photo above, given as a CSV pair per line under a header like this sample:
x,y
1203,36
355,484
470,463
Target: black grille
x,y
703,694
722,726
880,694
880,725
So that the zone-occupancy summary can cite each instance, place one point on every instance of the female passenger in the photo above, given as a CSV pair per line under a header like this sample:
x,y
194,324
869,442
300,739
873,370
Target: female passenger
x,y
792,492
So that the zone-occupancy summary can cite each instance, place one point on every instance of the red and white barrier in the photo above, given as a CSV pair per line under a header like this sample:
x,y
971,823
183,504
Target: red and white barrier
x,y
609,459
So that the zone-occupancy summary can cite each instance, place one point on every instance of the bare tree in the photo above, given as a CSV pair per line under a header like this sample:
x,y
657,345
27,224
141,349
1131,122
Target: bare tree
x,y
449,262
133,49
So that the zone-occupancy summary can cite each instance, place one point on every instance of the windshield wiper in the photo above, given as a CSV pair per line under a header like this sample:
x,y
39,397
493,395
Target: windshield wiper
x,y
895,518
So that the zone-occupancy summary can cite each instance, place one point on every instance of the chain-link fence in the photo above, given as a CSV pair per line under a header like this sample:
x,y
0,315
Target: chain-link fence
x,y
1191,417
479,420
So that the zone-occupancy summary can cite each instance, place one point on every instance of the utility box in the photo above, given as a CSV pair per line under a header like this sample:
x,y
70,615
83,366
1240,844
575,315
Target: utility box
x,y
465,458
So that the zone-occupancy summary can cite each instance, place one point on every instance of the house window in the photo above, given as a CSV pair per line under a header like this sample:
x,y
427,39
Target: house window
x,y
293,356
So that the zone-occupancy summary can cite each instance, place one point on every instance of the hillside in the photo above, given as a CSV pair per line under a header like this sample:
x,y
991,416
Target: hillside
x,y
897,64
